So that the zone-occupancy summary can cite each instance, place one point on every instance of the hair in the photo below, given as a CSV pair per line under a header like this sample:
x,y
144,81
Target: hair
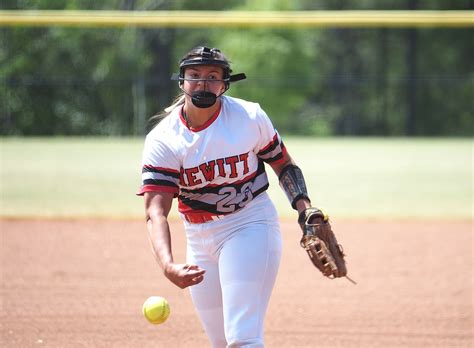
x,y
179,99
155,119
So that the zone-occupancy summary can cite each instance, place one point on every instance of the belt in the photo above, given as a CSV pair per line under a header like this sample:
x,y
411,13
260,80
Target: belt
x,y
200,219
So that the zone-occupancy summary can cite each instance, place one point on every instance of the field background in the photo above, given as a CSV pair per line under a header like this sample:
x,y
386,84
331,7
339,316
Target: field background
x,y
383,178
386,108
76,265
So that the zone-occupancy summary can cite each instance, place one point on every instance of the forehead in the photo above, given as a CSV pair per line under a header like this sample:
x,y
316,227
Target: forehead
x,y
206,69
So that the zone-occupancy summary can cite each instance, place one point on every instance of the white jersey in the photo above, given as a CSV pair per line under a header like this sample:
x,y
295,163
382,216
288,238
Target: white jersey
x,y
216,169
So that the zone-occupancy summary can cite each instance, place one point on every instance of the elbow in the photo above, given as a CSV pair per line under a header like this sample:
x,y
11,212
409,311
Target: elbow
x,y
155,217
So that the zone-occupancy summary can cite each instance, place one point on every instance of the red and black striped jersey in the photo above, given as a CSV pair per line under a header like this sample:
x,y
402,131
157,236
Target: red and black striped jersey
x,y
216,169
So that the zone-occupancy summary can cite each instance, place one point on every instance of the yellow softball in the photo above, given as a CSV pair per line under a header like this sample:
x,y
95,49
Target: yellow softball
x,y
156,309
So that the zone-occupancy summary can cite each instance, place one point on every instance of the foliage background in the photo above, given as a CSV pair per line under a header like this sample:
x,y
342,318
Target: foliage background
x,y
378,81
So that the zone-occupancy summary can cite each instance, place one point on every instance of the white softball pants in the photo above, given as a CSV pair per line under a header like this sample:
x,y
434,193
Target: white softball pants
x,y
241,255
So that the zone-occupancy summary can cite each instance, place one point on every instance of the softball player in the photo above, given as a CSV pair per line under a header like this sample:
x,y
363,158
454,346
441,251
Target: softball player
x,y
209,152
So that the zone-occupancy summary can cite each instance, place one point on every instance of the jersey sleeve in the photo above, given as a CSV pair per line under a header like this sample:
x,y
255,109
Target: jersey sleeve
x,y
270,147
160,168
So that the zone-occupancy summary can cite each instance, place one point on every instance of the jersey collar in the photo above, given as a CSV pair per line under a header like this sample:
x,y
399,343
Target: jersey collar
x,y
205,125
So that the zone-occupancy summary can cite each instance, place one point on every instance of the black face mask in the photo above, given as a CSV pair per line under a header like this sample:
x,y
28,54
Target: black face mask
x,y
203,99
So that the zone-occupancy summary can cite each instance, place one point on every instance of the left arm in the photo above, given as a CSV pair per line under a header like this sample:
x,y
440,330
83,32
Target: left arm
x,y
318,238
302,203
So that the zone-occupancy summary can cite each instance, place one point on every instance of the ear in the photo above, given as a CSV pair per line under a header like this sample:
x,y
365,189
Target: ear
x,y
224,87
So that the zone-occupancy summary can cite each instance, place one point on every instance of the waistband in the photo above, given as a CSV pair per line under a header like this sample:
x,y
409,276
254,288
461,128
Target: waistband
x,y
262,200
200,219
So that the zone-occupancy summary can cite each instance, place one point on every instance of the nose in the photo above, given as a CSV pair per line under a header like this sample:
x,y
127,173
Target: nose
x,y
202,83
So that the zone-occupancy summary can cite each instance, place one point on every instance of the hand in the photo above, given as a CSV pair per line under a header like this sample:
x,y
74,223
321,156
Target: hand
x,y
184,275
311,215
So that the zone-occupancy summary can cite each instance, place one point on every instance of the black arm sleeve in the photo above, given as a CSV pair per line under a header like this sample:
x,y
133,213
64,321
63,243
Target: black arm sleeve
x,y
292,182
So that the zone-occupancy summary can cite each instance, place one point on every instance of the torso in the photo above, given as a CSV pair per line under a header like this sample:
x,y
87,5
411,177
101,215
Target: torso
x,y
219,166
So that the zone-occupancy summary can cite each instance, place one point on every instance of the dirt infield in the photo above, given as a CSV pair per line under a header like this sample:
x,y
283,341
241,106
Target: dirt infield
x,y
82,284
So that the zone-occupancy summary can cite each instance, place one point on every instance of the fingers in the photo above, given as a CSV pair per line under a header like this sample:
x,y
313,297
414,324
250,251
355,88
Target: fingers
x,y
194,274
197,280
184,275
193,268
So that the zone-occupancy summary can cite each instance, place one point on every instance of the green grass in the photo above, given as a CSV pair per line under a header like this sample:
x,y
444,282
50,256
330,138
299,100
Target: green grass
x,y
350,177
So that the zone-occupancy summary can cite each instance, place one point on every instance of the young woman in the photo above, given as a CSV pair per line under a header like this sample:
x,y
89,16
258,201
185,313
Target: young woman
x,y
209,152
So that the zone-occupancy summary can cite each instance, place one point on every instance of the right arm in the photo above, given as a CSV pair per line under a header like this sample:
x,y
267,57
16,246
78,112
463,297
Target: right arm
x,y
157,207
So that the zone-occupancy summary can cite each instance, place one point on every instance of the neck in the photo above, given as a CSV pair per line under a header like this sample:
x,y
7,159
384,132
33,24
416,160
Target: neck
x,y
197,117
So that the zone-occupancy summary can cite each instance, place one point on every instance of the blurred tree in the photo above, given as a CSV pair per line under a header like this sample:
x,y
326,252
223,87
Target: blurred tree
x,y
376,81
391,81
278,64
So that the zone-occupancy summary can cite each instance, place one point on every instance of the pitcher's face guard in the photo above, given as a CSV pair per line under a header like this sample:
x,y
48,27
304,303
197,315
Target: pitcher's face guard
x,y
206,56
